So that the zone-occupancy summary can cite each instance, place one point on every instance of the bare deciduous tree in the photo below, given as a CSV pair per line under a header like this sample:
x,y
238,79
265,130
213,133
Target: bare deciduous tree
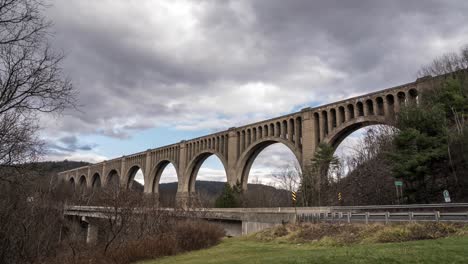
x,y
31,79
31,83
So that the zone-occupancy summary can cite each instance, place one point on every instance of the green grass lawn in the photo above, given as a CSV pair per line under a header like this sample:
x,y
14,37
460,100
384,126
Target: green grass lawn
x,y
237,250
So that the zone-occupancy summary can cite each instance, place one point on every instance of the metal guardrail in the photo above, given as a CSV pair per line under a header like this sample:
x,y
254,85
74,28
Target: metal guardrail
x,y
385,217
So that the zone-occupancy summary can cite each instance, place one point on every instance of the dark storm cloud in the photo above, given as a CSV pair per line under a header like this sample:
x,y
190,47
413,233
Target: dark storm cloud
x,y
180,63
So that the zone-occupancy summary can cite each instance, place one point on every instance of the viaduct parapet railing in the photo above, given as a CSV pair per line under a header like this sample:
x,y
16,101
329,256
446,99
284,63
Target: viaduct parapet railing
x,y
238,147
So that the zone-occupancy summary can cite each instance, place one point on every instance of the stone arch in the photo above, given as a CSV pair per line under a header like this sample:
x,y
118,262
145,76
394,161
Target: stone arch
x,y
413,96
113,179
247,158
96,181
71,182
333,118
157,171
82,183
401,98
317,127
130,175
350,112
380,106
390,99
360,109
370,107
341,115
195,164
339,134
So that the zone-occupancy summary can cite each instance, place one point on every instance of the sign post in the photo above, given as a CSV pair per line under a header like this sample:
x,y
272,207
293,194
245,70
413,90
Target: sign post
x,y
399,190
294,199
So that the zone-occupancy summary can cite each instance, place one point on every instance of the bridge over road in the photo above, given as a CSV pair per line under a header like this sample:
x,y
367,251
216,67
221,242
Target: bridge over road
x,y
238,147
241,221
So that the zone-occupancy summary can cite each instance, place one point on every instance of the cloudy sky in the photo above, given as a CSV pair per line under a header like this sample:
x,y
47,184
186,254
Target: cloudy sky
x,y
154,72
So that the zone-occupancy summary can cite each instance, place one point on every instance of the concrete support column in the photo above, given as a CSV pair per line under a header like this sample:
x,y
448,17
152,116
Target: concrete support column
x,y
330,121
147,172
347,114
308,138
232,157
356,111
103,174
339,118
89,180
123,180
92,233
242,141
366,110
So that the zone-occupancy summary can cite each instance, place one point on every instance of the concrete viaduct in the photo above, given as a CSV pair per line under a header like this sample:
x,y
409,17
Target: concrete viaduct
x,y
238,147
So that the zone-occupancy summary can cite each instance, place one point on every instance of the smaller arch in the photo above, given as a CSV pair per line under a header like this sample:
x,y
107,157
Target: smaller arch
x,y
71,183
413,96
325,122
360,108
96,181
265,130
260,132
272,130
292,130
113,179
317,127
350,109
278,129
390,104
333,117
82,183
370,107
401,98
298,131
380,106
341,115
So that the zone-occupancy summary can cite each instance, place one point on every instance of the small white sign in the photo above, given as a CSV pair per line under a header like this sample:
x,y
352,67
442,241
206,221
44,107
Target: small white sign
x,y
447,196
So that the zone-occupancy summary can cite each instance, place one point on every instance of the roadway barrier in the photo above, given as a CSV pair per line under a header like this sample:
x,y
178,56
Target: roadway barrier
x,y
383,217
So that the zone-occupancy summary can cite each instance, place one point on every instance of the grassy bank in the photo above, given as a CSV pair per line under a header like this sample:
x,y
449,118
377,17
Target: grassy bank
x,y
231,251
339,243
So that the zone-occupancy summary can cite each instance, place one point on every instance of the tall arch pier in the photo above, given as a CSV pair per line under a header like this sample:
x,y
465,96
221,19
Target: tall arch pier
x,y
238,147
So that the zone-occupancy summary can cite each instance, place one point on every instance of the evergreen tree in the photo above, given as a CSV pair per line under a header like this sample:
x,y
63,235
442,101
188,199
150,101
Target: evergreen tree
x,y
229,198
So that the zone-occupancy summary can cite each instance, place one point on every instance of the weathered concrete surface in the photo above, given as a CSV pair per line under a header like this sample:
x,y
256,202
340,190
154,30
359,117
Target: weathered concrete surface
x,y
238,147
242,221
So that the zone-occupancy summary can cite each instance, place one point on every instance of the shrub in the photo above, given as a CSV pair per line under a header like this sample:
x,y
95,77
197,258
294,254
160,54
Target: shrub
x,y
193,235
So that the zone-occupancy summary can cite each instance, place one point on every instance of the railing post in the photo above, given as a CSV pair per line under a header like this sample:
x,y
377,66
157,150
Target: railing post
x,y
437,216
367,218
349,217
387,216
410,216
